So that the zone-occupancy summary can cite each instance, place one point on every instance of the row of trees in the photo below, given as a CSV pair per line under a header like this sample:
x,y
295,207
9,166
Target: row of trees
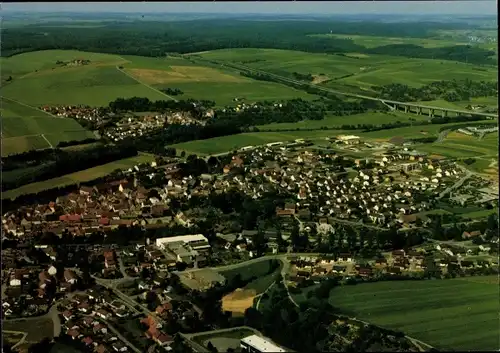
x,y
56,163
149,38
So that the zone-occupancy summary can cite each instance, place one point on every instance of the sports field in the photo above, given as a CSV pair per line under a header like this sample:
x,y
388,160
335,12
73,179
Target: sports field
x,y
81,176
459,314
364,70
25,128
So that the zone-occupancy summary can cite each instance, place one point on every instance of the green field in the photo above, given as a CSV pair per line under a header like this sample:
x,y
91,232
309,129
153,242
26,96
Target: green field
x,y
37,80
459,145
333,121
374,41
78,177
25,128
459,314
365,70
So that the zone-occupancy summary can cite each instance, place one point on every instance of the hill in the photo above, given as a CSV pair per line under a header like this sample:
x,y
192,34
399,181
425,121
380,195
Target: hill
x,y
45,77
25,128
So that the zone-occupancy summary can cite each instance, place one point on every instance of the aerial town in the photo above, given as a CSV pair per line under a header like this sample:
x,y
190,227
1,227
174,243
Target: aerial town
x,y
249,178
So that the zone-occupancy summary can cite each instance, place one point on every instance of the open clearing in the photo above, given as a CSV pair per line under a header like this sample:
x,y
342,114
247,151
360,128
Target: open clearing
x,y
356,71
239,300
78,177
460,314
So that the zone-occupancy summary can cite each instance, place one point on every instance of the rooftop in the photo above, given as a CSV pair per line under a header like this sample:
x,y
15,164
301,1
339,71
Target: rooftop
x,y
262,344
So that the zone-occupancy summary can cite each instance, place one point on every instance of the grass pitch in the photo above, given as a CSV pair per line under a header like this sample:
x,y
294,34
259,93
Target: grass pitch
x,y
459,314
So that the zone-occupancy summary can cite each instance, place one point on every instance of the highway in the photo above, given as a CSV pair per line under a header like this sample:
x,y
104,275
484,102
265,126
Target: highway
x,y
329,90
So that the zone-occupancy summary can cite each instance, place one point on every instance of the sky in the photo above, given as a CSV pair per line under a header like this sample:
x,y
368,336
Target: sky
x,y
287,7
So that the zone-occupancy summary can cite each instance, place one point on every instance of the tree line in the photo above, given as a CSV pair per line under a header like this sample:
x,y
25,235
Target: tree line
x,y
56,163
451,91
154,39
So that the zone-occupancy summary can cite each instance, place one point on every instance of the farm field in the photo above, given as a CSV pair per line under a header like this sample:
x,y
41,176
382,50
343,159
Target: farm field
x,y
374,41
430,310
460,145
89,85
78,177
490,102
337,121
25,128
364,71
37,80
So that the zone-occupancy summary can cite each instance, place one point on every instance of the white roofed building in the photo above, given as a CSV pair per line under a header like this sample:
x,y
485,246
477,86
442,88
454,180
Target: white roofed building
x,y
254,344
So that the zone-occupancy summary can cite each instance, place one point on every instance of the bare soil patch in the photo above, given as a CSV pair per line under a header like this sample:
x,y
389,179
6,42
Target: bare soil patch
x,y
239,300
320,79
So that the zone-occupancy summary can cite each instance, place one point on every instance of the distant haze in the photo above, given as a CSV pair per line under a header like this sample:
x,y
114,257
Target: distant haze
x,y
250,7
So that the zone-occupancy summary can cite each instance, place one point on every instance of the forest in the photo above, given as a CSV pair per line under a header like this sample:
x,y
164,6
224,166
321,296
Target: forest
x,y
154,39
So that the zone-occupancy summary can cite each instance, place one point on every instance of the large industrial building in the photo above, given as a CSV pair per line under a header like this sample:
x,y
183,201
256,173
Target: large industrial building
x,y
186,248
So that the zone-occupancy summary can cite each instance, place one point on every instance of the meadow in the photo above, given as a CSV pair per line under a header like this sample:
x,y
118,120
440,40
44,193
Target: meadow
x,y
363,71
458,314
78,177
25,128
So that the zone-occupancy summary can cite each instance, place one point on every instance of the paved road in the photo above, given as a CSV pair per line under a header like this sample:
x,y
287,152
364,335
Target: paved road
x,y
457,184
21,341
302,83
442,135
246,263
145,84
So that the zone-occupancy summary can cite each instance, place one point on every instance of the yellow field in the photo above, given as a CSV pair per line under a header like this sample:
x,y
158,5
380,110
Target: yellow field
x,y
183,74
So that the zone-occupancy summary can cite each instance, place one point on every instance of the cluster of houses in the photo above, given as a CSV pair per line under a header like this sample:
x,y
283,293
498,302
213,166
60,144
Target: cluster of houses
x,y
475,131
30,290
383,195
398,262
75,112
139,125
85,319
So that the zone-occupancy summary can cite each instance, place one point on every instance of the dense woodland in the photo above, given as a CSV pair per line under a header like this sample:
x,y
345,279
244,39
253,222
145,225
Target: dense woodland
x,y
158,38
451,91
